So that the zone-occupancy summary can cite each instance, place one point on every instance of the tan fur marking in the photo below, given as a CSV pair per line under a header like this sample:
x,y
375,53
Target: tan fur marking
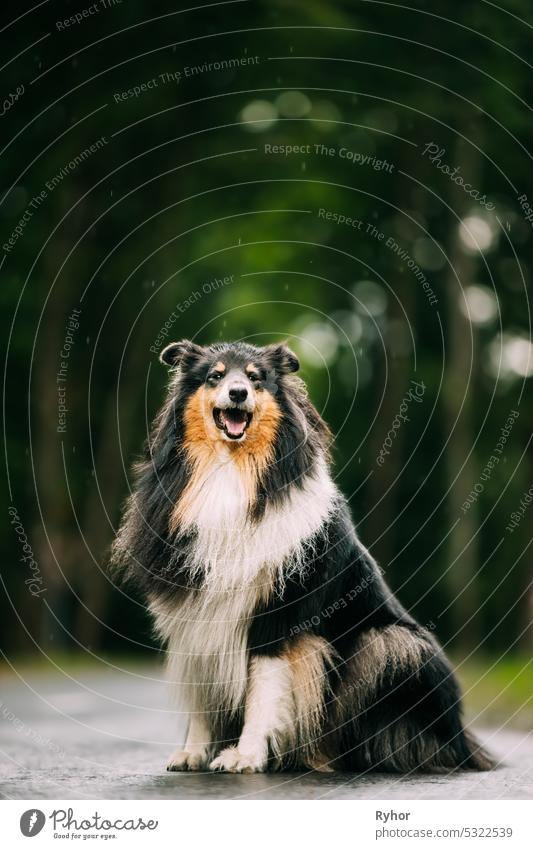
x,y
374,649
377,647
203,443
198,418
220,367
257,451
309,657
319,763
201,435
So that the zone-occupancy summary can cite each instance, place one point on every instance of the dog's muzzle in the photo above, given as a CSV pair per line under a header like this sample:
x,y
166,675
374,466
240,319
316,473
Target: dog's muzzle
x,y
234,409
233,421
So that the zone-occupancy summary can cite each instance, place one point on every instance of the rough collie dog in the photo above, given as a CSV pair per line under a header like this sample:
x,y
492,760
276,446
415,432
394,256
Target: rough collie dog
x,y
287,648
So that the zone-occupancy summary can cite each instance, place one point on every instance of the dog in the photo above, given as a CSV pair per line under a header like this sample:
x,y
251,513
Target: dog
x,y
286,646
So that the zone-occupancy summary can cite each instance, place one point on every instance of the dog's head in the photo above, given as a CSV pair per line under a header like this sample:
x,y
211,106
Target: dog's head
x,y
230,390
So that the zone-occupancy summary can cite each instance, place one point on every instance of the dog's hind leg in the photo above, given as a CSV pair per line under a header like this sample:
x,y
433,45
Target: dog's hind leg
x,y
268,717
194,755
398,708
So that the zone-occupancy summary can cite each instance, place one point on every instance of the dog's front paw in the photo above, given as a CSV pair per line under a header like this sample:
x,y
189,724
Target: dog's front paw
x,y
232,760
181,761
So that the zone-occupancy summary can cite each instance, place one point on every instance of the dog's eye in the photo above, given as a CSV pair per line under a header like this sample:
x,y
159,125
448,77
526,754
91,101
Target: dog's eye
x,y
214,377
254,377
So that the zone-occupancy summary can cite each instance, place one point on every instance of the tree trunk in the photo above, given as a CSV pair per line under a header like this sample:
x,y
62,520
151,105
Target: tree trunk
x,y
458,401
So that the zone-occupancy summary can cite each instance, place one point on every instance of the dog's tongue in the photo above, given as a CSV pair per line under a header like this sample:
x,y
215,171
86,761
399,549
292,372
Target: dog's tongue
x,y
235,425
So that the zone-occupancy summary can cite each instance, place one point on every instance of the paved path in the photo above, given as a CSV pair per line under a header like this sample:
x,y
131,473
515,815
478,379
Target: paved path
x,y
107,734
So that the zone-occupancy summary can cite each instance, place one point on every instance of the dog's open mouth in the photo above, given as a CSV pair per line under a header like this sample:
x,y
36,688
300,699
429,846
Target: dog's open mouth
x,y
232,421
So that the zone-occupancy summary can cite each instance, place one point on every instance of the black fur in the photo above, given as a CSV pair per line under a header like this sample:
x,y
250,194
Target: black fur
x,y
411,717
340,596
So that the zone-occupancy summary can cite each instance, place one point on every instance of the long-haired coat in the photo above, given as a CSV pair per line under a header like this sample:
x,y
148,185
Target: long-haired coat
x,y
286,646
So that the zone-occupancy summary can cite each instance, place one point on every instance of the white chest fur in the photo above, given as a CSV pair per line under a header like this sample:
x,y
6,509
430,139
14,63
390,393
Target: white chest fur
x,y
237,562
206,639
217,496
230,551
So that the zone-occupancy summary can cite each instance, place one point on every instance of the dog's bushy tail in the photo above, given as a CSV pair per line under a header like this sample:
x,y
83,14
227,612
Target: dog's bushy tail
x,y
478,758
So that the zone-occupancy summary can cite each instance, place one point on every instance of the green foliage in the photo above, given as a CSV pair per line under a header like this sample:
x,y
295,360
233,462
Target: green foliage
x,y
186,194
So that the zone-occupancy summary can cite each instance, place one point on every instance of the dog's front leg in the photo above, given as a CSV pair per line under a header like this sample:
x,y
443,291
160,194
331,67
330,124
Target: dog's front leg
x,y
195,754
268,717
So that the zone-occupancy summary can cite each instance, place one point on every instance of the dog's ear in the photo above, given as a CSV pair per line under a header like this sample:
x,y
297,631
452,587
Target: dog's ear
x,y
282,358
178,353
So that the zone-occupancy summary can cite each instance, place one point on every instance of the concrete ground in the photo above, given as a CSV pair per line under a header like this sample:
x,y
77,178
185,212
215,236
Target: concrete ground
x,y
107,733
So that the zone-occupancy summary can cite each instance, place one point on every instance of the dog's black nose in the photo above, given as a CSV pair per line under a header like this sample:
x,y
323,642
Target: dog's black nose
x,y
238,394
